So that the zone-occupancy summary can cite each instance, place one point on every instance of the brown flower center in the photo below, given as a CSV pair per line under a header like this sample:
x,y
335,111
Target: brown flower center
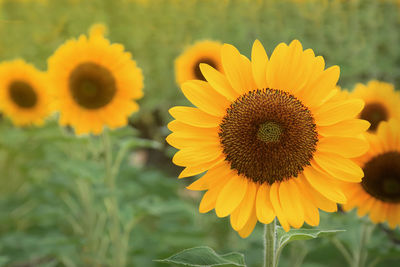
x,y
374,113
268,135
197,71
382,177
23,94
92,86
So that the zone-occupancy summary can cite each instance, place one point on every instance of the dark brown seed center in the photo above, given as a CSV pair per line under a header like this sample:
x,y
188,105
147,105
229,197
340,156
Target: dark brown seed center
x,y
23,94
92,86
374,113
197,71
268,135
382,177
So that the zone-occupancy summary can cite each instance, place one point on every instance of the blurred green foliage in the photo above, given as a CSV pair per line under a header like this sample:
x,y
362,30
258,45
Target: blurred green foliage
x,y
55,207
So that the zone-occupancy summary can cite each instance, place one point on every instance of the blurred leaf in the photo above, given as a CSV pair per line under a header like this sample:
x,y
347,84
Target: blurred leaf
x,y
205,256
285,238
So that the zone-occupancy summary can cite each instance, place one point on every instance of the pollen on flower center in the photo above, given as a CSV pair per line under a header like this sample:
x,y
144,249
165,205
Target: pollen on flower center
x,y
374,113
197,71
382,177
22,94
92,86
268,135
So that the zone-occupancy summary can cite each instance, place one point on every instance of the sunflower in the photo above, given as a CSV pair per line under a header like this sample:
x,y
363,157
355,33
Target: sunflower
x,y
381,102
187,65
95,83
273,140
24,95
379,192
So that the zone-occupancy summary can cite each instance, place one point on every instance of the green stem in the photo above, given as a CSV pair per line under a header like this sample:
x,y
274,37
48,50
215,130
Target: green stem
x,y
361,255
110,178
345,252
270,244
113,210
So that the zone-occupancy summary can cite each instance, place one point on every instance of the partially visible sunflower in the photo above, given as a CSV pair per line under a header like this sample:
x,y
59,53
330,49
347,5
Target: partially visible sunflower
x,y
95,83
24,94
382,102
187,65
274,140
378,194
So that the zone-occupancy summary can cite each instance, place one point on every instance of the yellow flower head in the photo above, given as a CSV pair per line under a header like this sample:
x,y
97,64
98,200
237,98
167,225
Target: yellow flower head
x,y
187,65
379,192
24,95
271,136
95,83
382,102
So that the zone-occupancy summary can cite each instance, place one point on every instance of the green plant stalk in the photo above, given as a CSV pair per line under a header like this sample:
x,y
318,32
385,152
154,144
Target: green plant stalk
x,y
270,241
343,250
360,255
118,256
110,178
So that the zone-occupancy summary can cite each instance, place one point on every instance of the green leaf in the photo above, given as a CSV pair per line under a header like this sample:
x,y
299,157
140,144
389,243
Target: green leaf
x,y
285,238
205,256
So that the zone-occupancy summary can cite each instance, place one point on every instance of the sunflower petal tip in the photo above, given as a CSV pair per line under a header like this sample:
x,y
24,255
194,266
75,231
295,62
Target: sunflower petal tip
x,y
98,29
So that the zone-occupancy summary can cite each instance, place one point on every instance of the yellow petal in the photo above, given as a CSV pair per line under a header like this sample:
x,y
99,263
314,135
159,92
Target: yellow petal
x,y
352,127
219,82
317,198
334,112
344,146
231,196
322,87
274,198
259,62
248,228
194,170
311,213
242,213
393,216
339,167
203,96
265,212
182,140
366,207
194,117
290,66
274,74
196,155
209,199
289,197
237,70
324,184
216,175
305,67
377,212
186,129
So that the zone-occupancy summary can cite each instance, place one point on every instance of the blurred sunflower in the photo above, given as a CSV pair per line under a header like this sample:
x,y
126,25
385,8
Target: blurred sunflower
x,y
187,65
378,194
24,96
382,102
95,83
271,136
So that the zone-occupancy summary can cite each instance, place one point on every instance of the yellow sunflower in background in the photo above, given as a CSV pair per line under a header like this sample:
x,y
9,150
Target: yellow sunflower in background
x,y
382,102
95,83
24,95
187,65
379,192
273,140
